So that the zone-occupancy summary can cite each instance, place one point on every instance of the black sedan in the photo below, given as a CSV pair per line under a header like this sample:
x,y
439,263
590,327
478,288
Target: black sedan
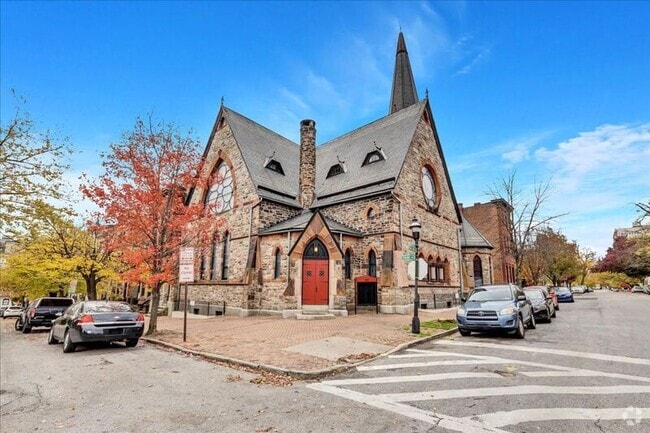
x,y
542,303
97,321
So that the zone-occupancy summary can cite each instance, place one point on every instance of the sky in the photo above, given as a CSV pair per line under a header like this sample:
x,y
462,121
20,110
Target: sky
x,y
555,92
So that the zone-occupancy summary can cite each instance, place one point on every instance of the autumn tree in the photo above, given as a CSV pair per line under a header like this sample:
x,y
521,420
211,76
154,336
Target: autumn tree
x,y
585,261
627,256
141,195
32,163
527,213
559,257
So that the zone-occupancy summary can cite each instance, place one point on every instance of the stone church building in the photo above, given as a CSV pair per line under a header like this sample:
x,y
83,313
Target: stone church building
x,y
325,229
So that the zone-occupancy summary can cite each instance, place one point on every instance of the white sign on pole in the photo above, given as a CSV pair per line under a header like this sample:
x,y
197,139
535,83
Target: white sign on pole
x,y
186,265
73,287
422,269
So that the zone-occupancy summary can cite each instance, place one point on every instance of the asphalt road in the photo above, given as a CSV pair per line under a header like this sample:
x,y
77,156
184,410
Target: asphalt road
x,y
588,371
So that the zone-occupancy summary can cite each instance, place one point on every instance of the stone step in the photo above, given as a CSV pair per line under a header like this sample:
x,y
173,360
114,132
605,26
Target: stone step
x,y
315,315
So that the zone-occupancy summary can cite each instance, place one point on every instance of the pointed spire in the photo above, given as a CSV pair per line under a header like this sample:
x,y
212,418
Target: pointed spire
x,y
404,93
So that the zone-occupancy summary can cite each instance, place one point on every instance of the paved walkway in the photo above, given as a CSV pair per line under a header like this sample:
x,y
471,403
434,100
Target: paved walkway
x,y
298,347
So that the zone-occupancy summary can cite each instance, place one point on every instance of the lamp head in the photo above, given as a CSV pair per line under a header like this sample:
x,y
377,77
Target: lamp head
x,y
415,228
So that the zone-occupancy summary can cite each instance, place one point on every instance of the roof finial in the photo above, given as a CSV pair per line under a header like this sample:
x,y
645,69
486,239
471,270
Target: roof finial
x,y
222,100
426,93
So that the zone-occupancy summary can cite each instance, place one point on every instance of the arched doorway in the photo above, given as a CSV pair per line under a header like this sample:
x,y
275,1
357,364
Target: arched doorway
x,y
478,271
315,274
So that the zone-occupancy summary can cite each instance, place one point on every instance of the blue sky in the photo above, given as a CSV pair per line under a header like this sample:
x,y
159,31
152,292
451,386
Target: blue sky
x,y
557,91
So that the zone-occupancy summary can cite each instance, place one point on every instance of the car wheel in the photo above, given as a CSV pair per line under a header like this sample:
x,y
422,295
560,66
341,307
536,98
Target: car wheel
x,y
520,331
531,322
68,345
18,325
549,316
464,332
132,343
26,328
50,337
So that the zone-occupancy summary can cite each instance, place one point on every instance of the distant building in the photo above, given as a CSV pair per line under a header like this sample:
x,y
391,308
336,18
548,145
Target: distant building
x,y
637,231
493,220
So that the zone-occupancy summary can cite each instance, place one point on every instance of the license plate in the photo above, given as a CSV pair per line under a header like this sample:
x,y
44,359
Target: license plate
x,y
112,331
59,314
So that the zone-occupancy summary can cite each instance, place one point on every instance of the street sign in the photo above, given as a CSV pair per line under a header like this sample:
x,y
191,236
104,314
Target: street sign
x,y
186,265
422,269
408,257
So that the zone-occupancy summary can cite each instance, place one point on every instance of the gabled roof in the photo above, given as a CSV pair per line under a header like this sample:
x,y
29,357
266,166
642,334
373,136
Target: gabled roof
x,y
471,237
392,134
257,144
299,222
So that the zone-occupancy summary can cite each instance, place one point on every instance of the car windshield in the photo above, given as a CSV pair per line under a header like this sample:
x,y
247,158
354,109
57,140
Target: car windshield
x,y
561,289
534,294
500,294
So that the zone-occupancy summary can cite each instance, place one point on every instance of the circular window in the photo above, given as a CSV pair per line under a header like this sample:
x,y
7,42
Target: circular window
x,y
429,188
221,192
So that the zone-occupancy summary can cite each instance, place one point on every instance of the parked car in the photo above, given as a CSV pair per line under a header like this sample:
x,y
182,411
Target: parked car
x,y
551,292
40,313
640,289
13,311
97,321
496,307
578,289
542,303
563,294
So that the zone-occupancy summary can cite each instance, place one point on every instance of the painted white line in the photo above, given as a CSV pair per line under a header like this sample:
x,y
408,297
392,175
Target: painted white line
x,y
586,355
576,373
517,390
486,360
462,425
431,364
419,353
404,379
631,415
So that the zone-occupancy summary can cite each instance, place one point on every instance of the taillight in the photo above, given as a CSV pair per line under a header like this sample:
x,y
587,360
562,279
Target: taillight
x,y
140,317
31,312
86,318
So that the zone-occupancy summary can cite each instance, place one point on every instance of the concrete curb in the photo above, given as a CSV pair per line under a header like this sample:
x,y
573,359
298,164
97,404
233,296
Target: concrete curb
x,y
298,374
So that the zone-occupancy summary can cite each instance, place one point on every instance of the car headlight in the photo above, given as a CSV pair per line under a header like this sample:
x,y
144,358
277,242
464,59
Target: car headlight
x,y
461,312
507,311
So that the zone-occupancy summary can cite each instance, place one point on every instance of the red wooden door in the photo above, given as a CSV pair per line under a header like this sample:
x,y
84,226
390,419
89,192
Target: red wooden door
x,y
315,282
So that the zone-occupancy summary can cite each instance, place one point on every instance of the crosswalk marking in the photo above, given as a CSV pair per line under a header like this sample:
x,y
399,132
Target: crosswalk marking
x,y
464,425
501,419
516,390
587,355
491,422
419,378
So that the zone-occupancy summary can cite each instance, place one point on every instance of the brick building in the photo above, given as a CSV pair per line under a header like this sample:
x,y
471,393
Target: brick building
x,y
326,228
493,220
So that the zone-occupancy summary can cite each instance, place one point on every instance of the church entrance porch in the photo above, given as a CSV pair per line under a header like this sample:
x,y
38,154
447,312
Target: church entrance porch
x,y
315,274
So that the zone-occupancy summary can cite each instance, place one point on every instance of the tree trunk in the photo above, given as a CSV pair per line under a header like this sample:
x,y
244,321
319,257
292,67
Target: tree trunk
x,y
153,309
91,286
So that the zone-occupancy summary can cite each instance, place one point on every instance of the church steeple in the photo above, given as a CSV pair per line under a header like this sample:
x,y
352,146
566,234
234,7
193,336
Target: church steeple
x,y
404,93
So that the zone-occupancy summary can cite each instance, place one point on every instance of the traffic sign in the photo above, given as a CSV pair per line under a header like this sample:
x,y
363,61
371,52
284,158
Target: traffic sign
x,y
186,265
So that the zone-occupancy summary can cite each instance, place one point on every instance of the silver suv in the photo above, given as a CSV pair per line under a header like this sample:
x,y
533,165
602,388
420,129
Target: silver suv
x,y
495,307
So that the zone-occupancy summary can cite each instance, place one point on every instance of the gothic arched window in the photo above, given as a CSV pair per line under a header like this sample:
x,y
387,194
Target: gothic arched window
x,y
220,194
372,263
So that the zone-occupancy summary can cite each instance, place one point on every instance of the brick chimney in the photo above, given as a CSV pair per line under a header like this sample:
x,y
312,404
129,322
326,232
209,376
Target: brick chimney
x,y
307,162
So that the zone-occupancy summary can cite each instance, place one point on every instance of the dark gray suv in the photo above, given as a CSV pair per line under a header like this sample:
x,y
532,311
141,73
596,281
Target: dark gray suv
x,y
495,307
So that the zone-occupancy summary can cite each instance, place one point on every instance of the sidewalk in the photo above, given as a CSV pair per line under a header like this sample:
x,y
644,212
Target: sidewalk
x,y
302,348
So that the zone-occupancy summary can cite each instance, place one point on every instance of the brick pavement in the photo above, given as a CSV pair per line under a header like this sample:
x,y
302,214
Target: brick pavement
x,y
263,340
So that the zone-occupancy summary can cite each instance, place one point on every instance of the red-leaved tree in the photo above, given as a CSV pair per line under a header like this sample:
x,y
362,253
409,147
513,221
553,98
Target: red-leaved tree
x,y
142,196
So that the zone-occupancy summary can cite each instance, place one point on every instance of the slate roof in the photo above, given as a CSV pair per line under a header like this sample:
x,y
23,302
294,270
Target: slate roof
x,y
470,237
403,93
257,144
299,222
392,133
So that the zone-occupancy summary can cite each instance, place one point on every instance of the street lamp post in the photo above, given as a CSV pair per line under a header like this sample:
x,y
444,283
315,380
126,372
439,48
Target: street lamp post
x,y
415,229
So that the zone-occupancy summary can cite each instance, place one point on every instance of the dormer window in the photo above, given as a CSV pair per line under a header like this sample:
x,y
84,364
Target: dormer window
x,y
275,166
374,156
335,169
